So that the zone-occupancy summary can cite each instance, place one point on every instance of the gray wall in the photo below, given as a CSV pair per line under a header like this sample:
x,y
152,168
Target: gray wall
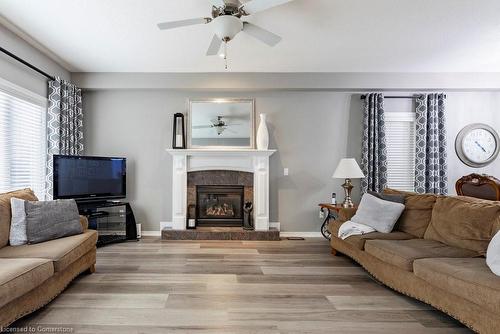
x,y
21,75
463,109
309,129
312,131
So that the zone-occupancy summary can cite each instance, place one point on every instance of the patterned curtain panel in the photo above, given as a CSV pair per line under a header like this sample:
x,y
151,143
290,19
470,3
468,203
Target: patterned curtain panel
x,y
431,175
64,124
374,150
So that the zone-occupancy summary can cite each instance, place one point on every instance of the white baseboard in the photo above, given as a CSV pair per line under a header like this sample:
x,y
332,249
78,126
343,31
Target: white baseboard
x,y
165,224
301,234
151,233
275,225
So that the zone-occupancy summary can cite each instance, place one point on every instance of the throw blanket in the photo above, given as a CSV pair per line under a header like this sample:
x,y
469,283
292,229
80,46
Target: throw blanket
x,y
351,228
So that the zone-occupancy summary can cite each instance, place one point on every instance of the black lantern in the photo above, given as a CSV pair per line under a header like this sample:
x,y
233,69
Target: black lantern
x,y
179,132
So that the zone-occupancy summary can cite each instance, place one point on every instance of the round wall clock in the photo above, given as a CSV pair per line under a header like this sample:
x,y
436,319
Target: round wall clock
x,y
477,145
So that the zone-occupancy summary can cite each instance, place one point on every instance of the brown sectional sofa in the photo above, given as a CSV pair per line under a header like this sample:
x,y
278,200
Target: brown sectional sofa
x,y
435,254
32,275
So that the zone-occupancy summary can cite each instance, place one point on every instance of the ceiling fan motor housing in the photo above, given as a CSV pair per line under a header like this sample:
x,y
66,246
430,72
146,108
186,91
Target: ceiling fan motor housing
x,y
227,26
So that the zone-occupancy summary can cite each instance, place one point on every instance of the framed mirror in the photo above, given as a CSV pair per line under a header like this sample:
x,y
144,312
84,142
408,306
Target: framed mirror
x,y
221,123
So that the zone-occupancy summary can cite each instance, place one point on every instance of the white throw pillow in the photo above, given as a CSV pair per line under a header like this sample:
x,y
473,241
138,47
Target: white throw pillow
x,y
377,213
493,254
17,234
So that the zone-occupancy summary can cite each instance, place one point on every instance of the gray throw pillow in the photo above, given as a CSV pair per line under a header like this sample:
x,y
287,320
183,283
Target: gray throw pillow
x,y
17,235
51,220
388,197
377,213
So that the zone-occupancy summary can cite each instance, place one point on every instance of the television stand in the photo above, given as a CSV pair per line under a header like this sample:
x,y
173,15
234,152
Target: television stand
x,y
113,220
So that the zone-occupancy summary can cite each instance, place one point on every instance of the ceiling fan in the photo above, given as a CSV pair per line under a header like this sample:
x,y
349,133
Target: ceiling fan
x,y
227,22
218,124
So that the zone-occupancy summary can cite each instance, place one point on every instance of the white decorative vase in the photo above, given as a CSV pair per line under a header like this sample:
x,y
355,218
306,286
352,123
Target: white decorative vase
x,y
262,134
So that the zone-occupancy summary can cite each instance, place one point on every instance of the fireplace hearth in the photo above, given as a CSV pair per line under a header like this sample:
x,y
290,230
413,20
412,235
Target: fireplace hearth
x,y
219,205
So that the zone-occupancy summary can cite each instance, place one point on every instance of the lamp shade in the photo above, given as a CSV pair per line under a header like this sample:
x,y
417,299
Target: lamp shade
x,y
348,168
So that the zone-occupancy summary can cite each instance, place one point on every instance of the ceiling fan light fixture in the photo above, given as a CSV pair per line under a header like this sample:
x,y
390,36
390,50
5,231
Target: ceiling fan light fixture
x,y
227,26
226,22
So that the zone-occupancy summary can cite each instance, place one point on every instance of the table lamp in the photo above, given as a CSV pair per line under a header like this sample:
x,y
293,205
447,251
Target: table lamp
x,y
348,169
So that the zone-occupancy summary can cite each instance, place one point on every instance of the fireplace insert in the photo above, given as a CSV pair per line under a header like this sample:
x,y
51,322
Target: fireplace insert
x,y
219,205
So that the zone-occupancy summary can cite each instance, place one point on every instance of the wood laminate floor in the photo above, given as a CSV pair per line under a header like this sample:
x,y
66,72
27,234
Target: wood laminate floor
x,y
155,286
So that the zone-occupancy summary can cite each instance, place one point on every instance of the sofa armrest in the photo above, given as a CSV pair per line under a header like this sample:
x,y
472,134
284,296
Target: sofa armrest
x,y
346,214
84,222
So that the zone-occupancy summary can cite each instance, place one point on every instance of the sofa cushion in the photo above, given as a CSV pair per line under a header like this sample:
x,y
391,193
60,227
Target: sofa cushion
x,y
5,211
417,214
358,241
402,253
467,278
48,220
62,251
18,276
377,213
464,222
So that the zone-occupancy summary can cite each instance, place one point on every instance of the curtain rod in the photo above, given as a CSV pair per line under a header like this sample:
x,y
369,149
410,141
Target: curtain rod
x,y
24,62
362,97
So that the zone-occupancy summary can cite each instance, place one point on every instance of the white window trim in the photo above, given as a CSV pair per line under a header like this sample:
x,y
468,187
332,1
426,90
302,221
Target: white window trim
x,y
23,93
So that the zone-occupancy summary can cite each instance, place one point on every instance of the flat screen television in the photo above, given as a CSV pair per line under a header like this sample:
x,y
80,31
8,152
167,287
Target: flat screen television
x,y
89,178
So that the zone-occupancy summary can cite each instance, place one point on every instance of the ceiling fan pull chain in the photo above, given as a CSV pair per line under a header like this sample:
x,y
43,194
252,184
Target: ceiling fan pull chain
x,y
225,55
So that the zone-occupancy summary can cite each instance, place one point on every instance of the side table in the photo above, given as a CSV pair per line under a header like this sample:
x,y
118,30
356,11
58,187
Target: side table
x,y
332,212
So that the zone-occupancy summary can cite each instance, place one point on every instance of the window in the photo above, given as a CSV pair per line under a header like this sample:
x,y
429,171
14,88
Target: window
x,y
400,138
22,140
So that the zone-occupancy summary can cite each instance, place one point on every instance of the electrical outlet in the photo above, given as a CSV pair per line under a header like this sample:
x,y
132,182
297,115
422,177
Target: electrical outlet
x,y
321,215
285,171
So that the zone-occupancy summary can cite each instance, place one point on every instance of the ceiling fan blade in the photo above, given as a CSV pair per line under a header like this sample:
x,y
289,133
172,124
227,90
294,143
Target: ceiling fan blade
x,y
261,34
218,3
255,6
183,23
214,46
236,117
202,126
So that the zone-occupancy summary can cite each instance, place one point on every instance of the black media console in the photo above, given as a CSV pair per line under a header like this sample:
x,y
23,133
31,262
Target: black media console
x,y
114,221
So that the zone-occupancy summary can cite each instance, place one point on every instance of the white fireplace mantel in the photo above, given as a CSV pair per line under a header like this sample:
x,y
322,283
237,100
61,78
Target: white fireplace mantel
x,y
246,160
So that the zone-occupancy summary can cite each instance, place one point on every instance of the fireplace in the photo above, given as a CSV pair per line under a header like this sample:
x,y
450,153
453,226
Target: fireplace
x,y
219,205
243,167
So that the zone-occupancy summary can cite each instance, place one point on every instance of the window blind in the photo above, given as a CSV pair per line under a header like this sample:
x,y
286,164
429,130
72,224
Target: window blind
x,y
400,137
22,144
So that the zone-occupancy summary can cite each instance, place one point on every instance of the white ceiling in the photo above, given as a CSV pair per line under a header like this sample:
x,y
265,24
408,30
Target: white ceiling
x,y
318,35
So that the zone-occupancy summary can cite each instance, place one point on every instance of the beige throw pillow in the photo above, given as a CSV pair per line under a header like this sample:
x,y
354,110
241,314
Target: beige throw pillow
x,y
377,213
17,236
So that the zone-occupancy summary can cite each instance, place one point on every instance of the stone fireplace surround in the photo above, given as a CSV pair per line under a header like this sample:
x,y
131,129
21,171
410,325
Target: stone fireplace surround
x,y
252,161
219,178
